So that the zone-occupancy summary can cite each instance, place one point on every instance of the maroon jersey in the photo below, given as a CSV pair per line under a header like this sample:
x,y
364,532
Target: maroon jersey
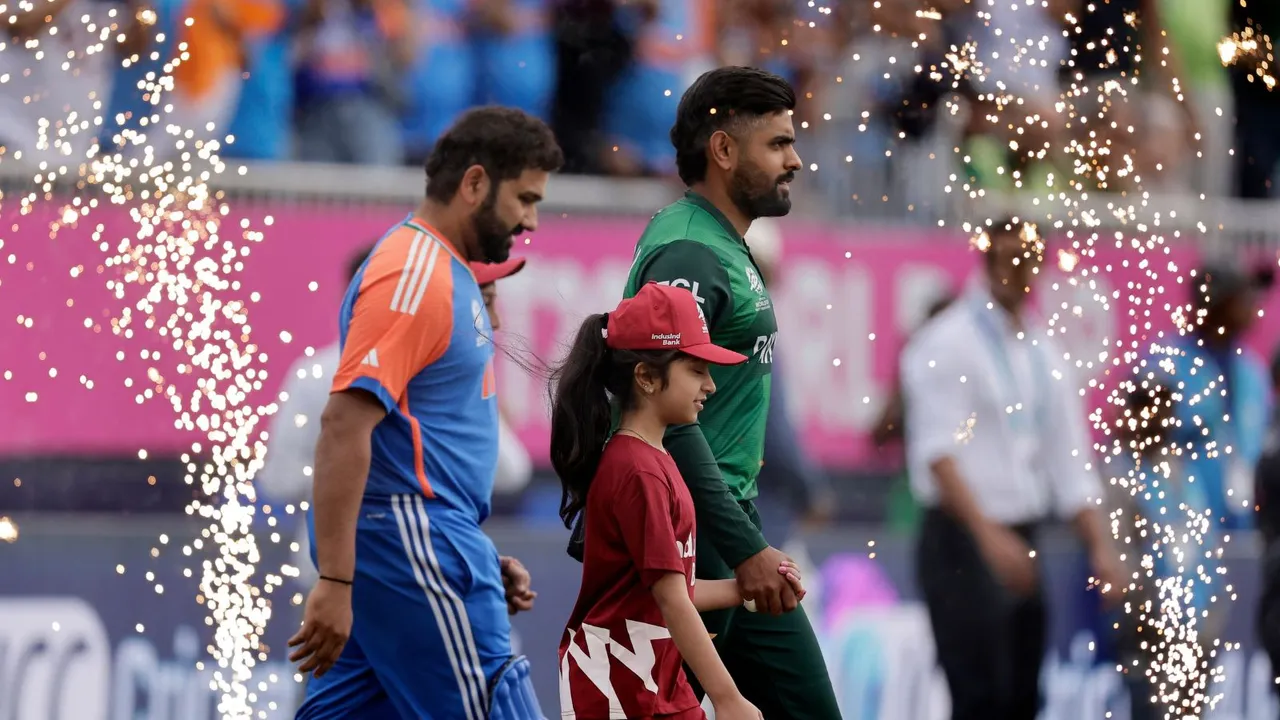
x,y
617,659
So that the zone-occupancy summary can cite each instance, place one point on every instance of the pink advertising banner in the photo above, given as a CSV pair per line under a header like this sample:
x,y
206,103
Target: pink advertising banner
x,y
847,298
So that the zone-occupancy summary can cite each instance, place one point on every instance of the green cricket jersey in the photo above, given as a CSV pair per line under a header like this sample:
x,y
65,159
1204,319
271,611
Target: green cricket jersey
x,y
691,244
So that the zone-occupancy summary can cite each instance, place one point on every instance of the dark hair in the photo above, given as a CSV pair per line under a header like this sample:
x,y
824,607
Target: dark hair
x,y
357,259
723,99
583,389
504,141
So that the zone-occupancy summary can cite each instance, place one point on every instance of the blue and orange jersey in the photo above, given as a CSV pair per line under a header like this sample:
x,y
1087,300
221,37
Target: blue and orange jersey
x,y
415,334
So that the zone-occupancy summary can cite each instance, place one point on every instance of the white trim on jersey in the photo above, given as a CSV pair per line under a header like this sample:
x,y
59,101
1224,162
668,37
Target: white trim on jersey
x,y
448,608
412,265
426,277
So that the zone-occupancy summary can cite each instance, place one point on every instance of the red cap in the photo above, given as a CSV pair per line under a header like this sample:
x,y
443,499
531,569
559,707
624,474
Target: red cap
x,y
492,272
661,317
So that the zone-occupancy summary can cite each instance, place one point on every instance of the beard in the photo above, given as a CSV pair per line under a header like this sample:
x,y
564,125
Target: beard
x,y
493,236
757,194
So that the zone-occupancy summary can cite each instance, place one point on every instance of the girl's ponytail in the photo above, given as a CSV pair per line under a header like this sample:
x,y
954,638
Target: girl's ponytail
x,y
581,415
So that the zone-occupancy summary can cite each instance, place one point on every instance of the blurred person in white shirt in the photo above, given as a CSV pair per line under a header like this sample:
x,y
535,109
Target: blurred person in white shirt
x,y
58,63
285,479
996,440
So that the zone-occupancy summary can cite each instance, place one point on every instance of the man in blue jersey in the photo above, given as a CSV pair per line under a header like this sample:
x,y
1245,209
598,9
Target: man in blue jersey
x,y
409,617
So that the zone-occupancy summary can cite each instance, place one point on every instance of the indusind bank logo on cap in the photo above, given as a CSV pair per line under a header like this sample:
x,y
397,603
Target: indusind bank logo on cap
x,y
668,339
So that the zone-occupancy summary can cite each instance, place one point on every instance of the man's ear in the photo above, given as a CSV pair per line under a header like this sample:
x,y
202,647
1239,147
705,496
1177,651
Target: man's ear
x,y
723,150
475,185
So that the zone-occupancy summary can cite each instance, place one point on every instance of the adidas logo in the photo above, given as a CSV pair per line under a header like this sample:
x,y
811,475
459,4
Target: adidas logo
x,y
371,359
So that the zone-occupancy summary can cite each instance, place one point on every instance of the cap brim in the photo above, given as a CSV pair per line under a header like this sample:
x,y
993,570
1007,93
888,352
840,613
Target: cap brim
x,y
492,272
714,354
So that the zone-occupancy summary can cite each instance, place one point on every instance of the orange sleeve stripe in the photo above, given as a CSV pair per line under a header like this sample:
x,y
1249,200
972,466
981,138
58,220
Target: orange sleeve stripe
x,y
419,465
403,318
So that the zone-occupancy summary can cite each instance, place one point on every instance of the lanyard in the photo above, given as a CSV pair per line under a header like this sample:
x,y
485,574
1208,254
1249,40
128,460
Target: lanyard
x,y
1033,416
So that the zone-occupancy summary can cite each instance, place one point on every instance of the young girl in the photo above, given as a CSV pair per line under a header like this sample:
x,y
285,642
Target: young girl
x,y
651,358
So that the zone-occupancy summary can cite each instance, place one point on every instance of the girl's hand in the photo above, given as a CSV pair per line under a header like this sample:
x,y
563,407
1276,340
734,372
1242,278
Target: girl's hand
x,y
792,572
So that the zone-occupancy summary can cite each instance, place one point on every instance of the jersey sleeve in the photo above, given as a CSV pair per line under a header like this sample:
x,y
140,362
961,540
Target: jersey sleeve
x,y
644,509
936,396
695,267
401,319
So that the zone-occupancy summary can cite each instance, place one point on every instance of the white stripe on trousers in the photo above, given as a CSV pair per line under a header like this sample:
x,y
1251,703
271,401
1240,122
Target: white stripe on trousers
x,y
446,606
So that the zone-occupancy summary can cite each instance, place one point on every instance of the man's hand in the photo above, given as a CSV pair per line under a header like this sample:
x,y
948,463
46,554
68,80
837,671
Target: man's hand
x,y
1009,558
760,582
326,625
517,582
1108,577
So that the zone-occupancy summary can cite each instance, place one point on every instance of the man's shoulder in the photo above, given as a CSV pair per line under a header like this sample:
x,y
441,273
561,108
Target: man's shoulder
x,y
683,220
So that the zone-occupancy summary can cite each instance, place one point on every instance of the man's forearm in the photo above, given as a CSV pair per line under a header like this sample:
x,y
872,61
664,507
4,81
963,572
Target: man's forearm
x,y
342,468
721,520
953,495
1090,530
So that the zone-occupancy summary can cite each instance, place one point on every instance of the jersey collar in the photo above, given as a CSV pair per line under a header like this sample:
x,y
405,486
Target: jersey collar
x,y
714,211
423,226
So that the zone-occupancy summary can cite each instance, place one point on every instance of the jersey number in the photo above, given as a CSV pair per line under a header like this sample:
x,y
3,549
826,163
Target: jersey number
x,y
594,661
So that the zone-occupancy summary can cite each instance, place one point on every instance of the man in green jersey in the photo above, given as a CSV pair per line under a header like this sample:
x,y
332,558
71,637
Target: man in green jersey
x,y
735,151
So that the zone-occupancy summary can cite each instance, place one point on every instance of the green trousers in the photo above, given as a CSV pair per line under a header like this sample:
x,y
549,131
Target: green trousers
x,y
775,661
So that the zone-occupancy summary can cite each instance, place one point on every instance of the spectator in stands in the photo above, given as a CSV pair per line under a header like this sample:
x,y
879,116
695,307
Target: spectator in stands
x,y
263,123
351,56
594,43
475,52
1257,144
1194,31
441,82
512,44
674,45
38,42
207,84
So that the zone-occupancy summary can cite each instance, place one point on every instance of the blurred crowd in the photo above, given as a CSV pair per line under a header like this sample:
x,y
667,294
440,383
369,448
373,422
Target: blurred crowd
x,y
892,90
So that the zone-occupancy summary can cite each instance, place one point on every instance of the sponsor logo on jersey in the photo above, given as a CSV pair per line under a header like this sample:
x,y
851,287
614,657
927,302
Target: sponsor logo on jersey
x,y
691,286
754,281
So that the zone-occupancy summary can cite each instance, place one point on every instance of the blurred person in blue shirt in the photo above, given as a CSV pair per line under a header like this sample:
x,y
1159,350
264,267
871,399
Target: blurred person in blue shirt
x,y
1169,628
475,52
350,56
1219,389
263,122
675,41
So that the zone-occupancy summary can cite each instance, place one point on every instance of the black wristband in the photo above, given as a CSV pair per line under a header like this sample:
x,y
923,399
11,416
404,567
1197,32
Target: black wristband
x,y
336,580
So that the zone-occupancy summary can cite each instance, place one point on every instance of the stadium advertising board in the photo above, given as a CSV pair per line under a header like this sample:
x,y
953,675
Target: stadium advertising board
x,y
81,639
847,297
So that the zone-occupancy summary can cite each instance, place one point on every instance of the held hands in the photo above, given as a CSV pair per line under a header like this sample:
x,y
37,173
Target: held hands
x,y
326,625
761,581
791,572
516,580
